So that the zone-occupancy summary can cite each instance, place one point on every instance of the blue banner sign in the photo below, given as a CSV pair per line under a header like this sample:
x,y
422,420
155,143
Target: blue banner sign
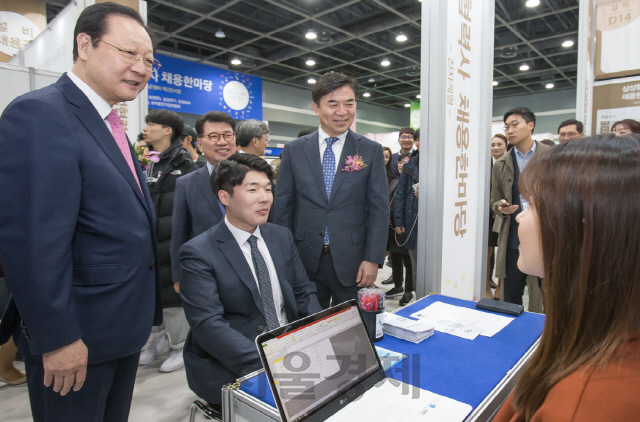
x,y
195,88
272,152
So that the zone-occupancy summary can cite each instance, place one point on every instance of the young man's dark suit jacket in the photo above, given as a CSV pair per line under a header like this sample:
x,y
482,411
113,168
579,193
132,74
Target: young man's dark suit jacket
x,y
223,305
195,210
356,214
77,236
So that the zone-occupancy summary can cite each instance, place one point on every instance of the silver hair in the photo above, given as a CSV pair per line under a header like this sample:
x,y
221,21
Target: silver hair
x,y
248,129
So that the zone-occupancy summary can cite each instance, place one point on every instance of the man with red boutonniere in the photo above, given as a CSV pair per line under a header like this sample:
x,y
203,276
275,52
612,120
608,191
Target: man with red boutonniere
x,y
333,196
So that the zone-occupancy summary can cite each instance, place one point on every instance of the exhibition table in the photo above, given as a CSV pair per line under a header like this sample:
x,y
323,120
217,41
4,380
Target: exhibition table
x,y
480,372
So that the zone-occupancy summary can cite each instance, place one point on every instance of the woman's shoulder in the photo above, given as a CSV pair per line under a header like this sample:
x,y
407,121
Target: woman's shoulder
x,y
591,394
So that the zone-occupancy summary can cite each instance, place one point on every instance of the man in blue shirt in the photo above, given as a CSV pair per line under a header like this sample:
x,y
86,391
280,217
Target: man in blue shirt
x,y
507,203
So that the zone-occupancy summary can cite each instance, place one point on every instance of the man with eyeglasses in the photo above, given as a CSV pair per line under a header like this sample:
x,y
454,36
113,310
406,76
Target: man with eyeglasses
x,y
406,139
507,203
77,226
196,207
569,130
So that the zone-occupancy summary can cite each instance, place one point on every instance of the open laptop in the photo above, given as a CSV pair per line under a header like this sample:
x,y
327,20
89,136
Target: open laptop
x,y
325,367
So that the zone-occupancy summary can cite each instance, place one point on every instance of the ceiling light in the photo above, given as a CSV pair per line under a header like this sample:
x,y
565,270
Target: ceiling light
x,y
366,94
567,44
372,80
220,33
532,3
524,67
311,62
236,61
495,83
549,86
385,62
401,37
311,34
311,81
407,105
418,96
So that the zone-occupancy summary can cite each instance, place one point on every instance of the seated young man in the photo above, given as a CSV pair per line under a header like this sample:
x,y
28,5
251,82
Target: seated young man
x,y
240,278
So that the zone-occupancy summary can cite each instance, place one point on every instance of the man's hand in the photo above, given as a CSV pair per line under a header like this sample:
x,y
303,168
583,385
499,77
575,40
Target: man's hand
x,y
66,367
367,274
507,209
399,230
176,286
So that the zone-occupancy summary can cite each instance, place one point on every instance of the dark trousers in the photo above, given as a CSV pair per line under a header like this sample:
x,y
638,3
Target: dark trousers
x,y
104,397
330,291
516,280
399,262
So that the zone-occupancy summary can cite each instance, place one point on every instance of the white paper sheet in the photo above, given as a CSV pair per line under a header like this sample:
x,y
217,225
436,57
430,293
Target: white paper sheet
x,y
462,322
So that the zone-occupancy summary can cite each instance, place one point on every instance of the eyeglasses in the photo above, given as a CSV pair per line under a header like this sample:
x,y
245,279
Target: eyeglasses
x,y
214,137
513,125
133,56
404,138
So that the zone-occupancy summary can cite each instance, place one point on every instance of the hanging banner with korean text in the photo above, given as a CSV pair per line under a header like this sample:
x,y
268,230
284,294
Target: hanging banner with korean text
x,y
196,88
462,206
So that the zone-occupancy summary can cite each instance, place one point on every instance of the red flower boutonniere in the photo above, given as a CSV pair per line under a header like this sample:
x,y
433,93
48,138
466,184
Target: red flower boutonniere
x,y
354,163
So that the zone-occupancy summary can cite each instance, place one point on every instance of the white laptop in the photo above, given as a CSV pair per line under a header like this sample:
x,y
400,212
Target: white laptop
x,y
325,368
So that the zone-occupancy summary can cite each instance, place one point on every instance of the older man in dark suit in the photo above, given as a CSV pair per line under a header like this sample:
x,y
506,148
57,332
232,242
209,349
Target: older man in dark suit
x,y
77,226
239,278
333,195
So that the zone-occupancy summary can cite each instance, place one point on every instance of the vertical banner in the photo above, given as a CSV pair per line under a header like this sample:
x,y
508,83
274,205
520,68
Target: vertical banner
x,y
462,138
454,175
618,29
586,65
20,22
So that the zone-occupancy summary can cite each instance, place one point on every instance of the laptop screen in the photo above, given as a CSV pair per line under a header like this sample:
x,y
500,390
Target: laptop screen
x,y
318,361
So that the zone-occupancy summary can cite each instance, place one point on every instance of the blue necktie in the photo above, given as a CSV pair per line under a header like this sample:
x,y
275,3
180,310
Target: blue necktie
x,y
264,281
328,173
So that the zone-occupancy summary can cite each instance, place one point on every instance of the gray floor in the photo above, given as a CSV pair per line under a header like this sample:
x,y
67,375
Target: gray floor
x,y
157,397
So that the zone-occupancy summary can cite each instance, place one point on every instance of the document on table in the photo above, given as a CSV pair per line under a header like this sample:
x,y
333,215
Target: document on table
x,y
462,322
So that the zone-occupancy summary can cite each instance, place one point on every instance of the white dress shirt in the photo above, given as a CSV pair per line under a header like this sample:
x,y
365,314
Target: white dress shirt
x,y
242,237
336,147
98,102
210,167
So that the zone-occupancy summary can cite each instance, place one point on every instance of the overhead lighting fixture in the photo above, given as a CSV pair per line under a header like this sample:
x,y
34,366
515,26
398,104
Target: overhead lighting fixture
x,y
524,67
567,44
220,33
418,96
311,62
371,80
532,3
385,62
401,37
311,35
366,94
495,83
407,105
311,81
236,61
549,86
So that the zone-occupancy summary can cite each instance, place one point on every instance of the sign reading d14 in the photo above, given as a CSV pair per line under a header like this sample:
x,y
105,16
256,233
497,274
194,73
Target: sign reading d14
x,y
196,88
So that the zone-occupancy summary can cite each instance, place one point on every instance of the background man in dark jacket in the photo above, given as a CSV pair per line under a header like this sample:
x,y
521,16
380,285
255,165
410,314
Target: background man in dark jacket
x,y
162,134
405,205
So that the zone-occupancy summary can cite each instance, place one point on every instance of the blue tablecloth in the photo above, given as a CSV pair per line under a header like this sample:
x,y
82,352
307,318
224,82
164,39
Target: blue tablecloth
x,y
464,370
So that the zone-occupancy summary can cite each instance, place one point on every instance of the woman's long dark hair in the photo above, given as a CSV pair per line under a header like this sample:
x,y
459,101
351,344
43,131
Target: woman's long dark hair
x,y
390,174
586,194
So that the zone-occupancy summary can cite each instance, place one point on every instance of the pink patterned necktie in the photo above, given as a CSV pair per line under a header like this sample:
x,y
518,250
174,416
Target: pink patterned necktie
x,y
121,140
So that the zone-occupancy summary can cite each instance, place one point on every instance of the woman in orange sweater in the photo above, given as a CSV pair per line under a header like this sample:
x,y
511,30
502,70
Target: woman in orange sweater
x,y
582,234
